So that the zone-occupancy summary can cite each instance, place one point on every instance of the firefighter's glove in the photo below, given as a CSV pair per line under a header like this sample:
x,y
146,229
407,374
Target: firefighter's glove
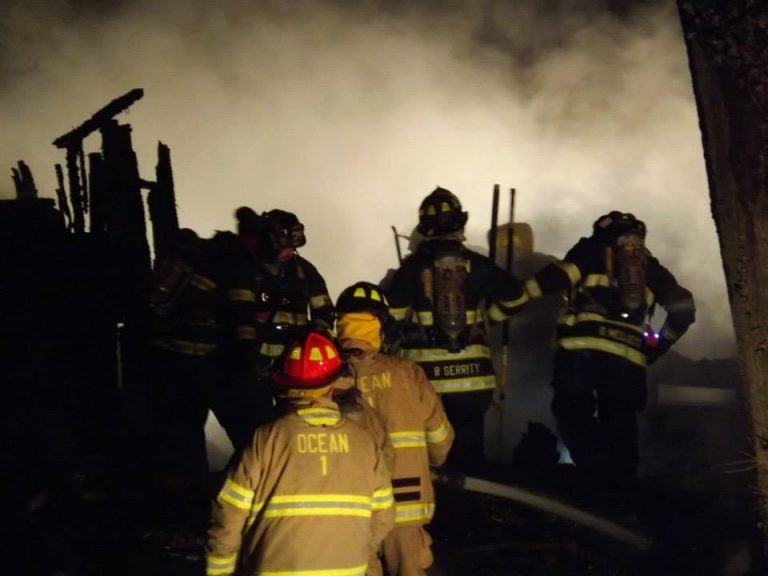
x,y
654,353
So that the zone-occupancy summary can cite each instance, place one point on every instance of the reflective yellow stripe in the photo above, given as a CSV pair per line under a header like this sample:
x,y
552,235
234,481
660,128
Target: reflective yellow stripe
x,y
319,416
236,495
408,439
573,272
292,318
241,295
202,283
497,312
354,571
246,333
573,319
438,434
420,512
320,301
215,565
471,352
382,499
400,313
593,280
424,317
533,288
318,505
271,350
615,348
650,297
473,385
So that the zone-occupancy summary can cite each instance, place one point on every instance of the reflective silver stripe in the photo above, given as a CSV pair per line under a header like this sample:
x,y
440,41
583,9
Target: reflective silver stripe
x,y
573,272
472,352
320,301
533,288
609,346
408,439
473,385
319,505
236,495
438,434
423,511
202,283
241,295
217,565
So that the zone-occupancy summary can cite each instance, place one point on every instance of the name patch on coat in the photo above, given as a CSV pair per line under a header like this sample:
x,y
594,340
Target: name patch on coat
x,y
372,382
322,442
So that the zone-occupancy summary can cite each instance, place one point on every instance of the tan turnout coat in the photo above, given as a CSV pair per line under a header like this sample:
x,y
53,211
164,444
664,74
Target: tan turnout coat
x,y
413,415
311,495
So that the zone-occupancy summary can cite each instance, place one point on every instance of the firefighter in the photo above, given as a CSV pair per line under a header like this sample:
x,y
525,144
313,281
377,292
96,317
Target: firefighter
x,y
444,296
413,415
201,307
604,343
311,493
294,294
285,294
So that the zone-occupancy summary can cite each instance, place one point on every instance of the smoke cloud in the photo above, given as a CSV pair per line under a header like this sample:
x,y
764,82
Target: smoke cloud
x,y
350,113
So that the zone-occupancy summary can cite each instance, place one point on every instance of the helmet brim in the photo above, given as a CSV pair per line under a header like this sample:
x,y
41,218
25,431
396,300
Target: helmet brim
x,y
284,381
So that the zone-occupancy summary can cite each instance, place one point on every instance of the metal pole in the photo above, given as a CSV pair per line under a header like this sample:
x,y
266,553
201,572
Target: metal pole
x,y
494,224
397,245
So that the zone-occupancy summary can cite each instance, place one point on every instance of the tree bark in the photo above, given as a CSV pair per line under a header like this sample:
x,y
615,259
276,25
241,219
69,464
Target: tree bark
x,y
727,46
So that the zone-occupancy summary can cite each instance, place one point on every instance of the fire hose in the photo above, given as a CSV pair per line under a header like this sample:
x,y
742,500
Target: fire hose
x,y
548,504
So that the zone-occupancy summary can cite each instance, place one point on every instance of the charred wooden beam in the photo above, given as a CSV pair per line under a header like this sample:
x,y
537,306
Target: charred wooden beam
x,y
99,119
24,182
161,201
61,197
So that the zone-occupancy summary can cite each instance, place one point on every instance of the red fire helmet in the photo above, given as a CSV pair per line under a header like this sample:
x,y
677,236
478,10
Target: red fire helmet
x,y
311,362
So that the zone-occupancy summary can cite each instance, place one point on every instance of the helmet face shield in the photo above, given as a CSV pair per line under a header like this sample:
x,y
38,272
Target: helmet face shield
x,y
296,235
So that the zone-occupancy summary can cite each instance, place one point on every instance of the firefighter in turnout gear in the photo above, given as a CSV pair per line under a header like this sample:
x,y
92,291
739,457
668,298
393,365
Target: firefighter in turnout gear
x,y
294,294
311,494
612,284
285,294
414,418
444,296
201,306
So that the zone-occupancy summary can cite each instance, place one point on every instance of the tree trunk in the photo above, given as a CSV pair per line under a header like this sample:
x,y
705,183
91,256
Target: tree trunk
x,y
727,46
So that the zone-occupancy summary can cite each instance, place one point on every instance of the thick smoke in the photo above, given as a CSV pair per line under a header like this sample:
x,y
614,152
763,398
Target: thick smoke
x,y
350,115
